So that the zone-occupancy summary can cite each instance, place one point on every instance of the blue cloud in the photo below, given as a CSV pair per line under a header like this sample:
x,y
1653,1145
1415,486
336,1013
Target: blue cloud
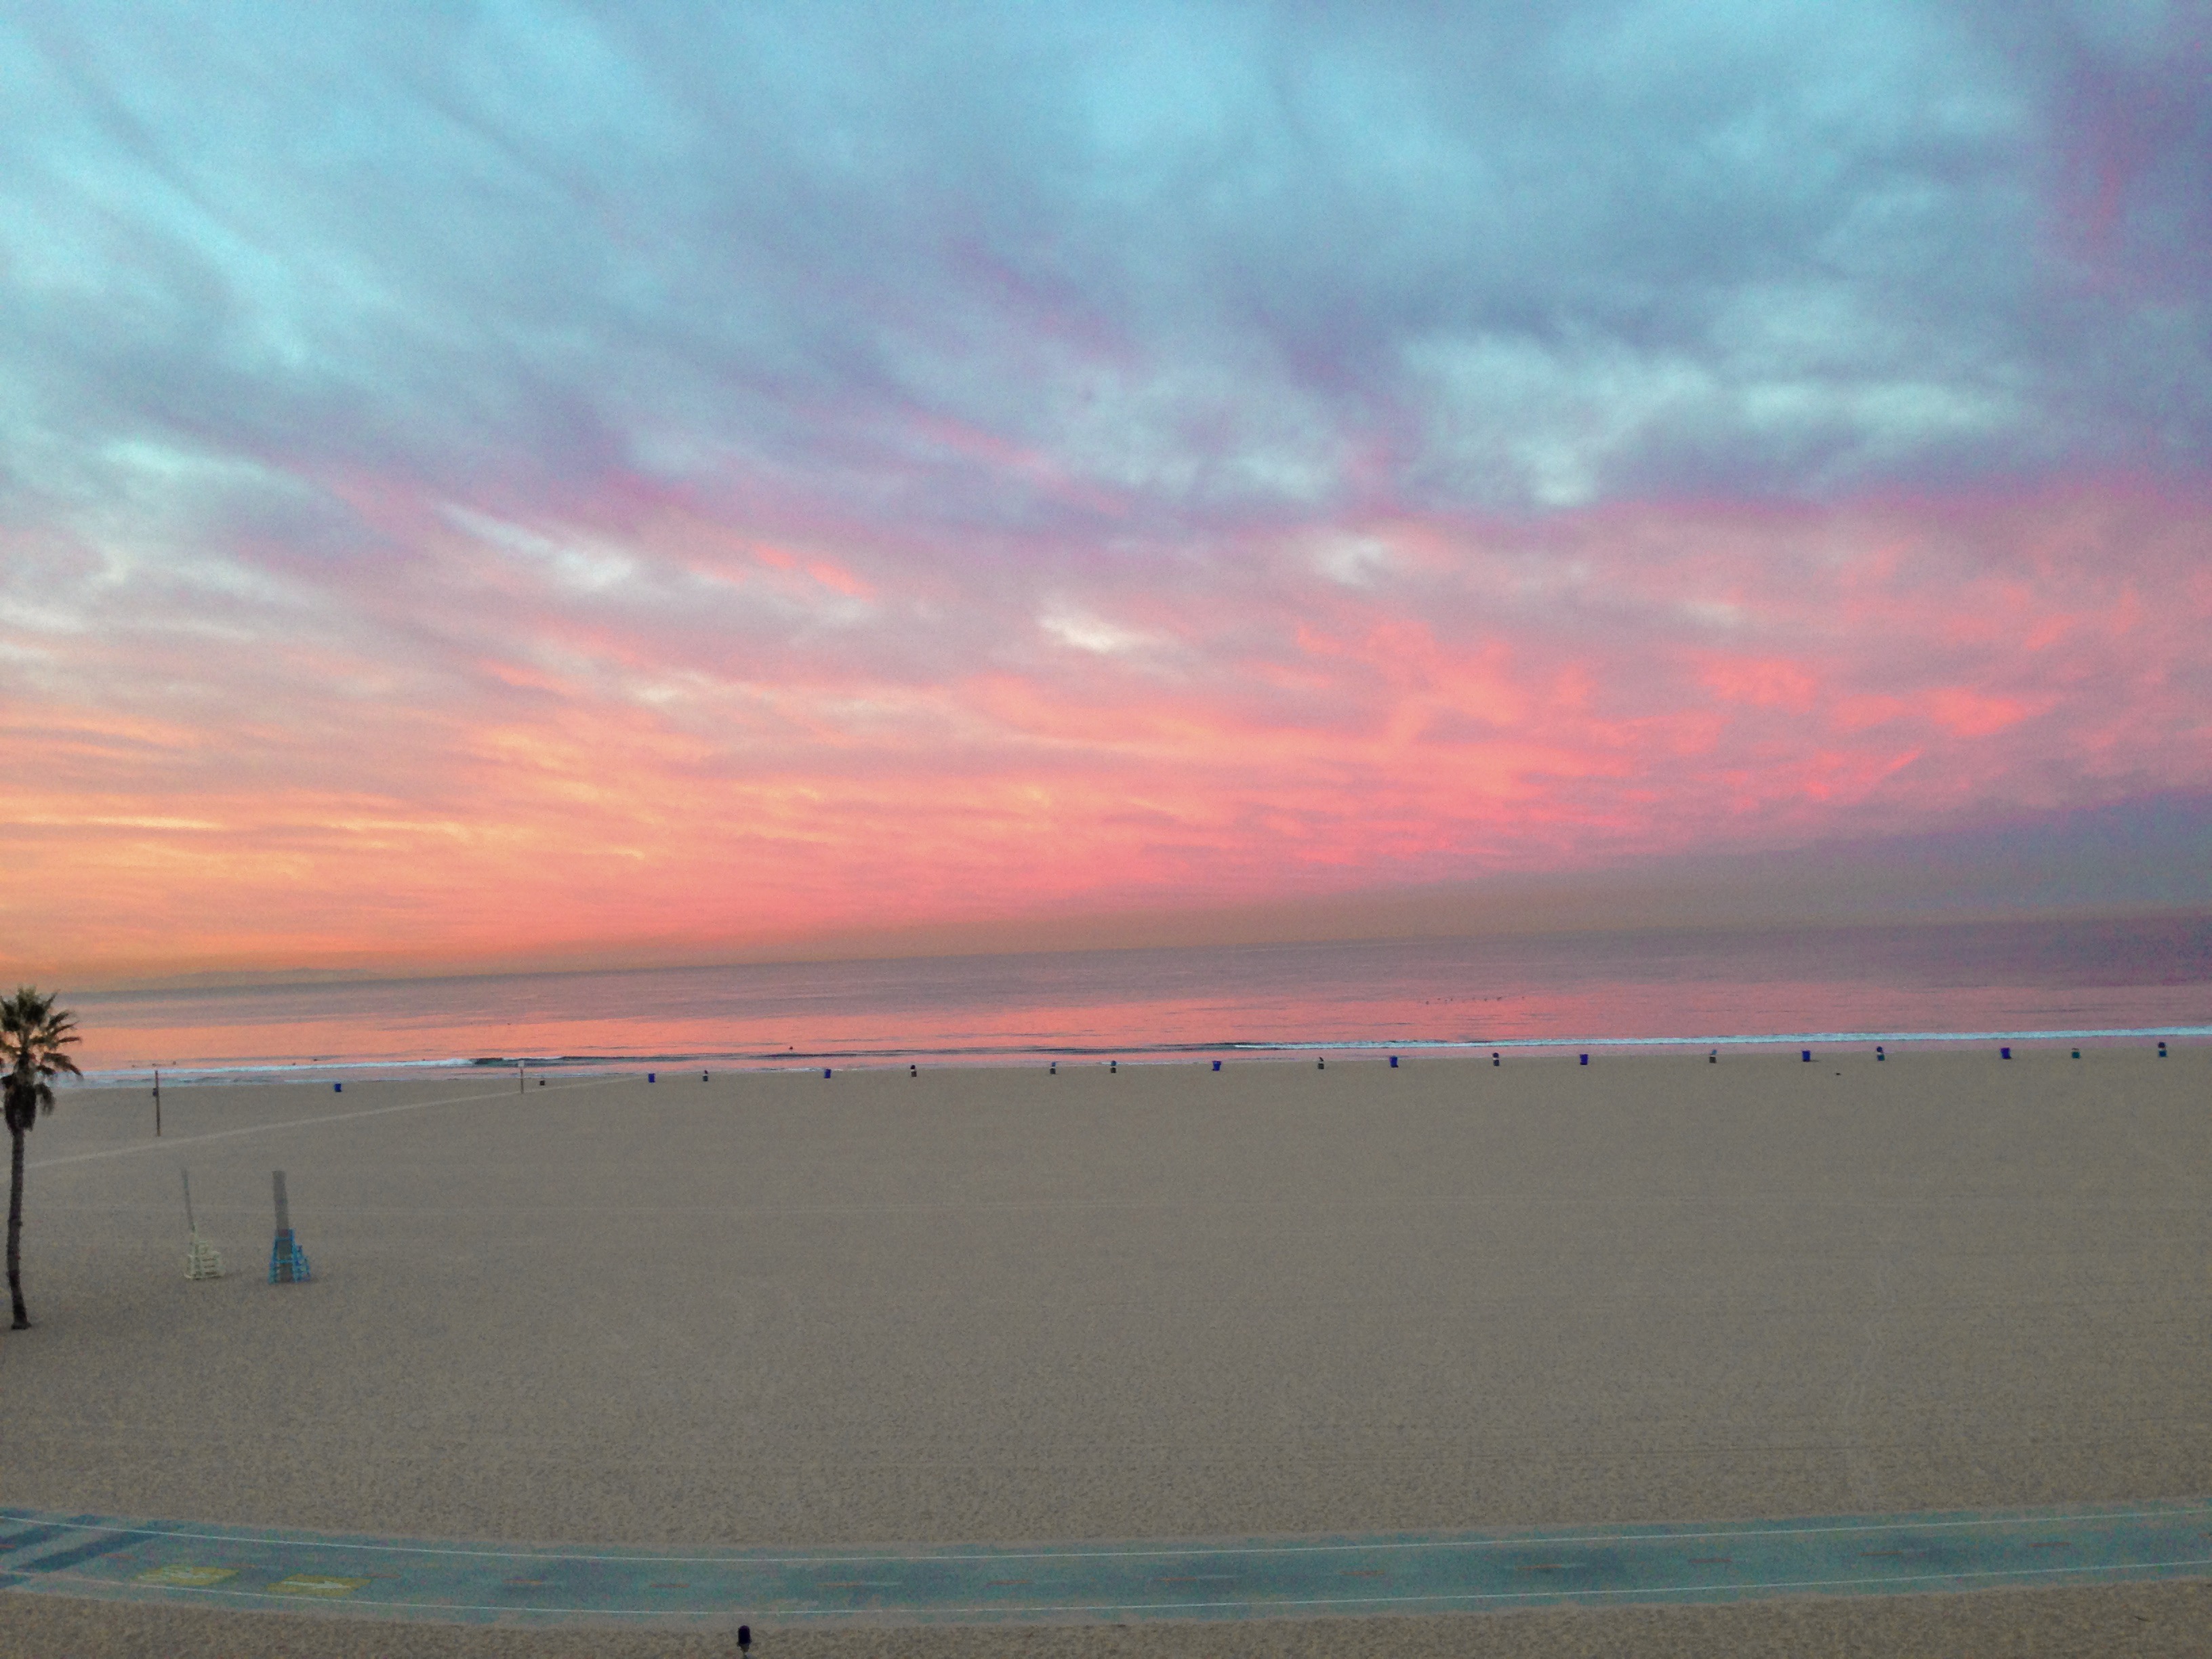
x,y
1009,277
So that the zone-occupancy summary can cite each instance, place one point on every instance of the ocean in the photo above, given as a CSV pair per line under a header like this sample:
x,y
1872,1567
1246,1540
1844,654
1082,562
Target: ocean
x,y
2068,980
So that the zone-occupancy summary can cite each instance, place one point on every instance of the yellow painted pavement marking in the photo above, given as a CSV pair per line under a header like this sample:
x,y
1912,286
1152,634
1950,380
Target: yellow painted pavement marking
x,y
189,1577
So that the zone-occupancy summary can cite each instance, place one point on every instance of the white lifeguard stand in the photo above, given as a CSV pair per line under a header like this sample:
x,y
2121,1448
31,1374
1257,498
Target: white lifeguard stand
x,y
202,1259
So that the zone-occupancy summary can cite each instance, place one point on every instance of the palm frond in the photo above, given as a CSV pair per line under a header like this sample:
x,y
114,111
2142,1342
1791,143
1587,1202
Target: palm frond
x,y
34,1036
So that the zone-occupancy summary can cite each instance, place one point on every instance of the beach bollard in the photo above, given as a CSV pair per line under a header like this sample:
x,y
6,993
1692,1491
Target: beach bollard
x,y
2004,1053
1805,1054
1217,1064
287,1262
1393,1062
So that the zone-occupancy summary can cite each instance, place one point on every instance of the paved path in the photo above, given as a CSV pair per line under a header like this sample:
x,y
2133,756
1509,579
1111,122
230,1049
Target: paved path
x,y
96,1556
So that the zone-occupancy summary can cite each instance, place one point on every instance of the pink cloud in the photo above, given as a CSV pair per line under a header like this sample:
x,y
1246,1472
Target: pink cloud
x,y
1763,682
647,730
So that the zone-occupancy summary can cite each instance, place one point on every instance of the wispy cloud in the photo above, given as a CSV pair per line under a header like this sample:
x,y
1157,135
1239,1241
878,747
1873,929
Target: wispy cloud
x,y
538,475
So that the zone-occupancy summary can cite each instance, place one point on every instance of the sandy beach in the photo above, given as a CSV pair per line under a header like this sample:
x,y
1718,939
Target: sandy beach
x,y
999,1305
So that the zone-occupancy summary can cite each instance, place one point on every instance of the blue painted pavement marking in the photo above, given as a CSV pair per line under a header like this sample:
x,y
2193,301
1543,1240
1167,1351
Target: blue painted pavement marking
x,y
1405,1572
101,1542
31,1537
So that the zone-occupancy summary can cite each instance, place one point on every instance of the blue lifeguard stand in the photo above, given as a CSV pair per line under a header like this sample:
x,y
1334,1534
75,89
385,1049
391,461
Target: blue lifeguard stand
x,y
287,1262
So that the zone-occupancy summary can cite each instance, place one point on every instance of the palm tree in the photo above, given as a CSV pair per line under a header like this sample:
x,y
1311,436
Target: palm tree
x,y
33,1034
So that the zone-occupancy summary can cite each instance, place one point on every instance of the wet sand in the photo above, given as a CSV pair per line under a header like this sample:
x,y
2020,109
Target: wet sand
x,y
1000,1305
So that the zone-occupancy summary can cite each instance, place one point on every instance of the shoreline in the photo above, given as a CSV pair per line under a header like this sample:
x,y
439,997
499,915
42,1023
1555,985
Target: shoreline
x,y
263,1069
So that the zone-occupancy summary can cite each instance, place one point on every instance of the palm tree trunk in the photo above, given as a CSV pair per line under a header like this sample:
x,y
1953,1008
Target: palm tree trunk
x,y
15,1229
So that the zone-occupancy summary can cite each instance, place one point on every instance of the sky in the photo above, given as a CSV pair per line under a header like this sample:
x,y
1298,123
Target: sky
x,y
572,482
